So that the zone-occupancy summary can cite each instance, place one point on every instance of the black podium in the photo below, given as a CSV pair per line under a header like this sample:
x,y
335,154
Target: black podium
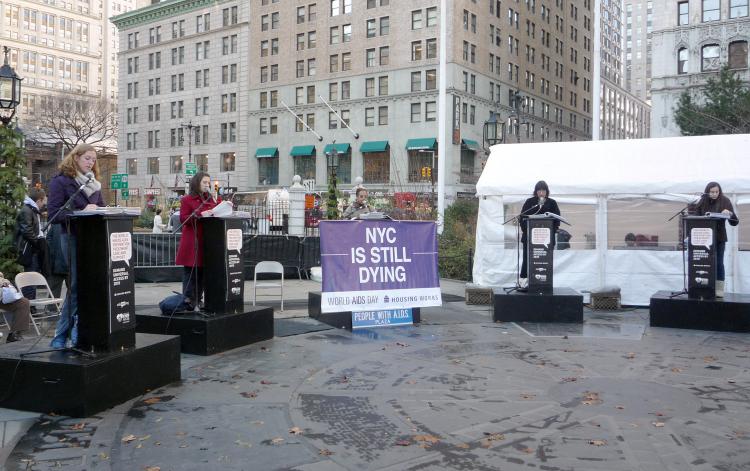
x,y
540,302
699,308
224,323
111,363
701,255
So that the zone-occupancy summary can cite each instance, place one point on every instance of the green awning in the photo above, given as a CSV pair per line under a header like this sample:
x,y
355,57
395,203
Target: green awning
x,y
262,152
428,143
302,151
341,148
374,146
471,145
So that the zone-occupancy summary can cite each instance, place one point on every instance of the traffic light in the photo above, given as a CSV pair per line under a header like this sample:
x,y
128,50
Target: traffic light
x,y
216,187
429,172
424,172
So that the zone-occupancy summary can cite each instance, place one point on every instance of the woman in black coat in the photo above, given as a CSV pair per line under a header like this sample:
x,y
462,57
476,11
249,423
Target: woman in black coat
x,y
714,201
539,203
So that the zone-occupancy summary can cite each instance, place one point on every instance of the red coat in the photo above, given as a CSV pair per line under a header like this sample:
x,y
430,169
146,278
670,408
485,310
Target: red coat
x,y
186,253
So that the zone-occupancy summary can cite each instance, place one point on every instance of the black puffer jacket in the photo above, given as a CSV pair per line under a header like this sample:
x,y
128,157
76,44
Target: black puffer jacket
x,y
27,227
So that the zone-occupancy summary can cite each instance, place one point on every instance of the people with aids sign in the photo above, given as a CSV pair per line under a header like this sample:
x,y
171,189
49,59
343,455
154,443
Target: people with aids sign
x,y
377,265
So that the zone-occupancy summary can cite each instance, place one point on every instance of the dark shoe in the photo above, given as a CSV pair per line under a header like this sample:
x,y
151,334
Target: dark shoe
x,y
14,337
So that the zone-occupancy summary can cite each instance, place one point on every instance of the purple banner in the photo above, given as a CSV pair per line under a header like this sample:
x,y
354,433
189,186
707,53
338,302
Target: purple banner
x,y
370,265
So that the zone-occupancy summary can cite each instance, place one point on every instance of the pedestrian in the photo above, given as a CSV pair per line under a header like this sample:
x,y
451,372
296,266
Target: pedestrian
x,y
174,221
158,224
30,241
78,171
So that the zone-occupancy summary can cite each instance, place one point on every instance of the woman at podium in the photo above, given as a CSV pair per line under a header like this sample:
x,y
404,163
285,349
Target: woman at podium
x,y
75,188
198,203
539,203
713,201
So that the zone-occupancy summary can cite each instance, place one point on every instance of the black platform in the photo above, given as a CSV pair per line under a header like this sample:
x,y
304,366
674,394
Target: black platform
x,y
728,314
80,386
562,305
340,320
206,335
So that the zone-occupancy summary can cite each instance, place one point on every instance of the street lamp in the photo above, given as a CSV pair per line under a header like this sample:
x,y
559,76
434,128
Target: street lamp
x,y
494,131
332,160
10,90
190,126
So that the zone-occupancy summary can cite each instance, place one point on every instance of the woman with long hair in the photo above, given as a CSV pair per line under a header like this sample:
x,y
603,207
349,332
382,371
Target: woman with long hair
x,y
539,203
198,203
714,201
78,169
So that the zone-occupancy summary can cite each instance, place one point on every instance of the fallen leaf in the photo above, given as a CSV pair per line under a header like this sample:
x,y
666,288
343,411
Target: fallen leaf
x,y
325,452
620,407
237,376
731,381
630,355
426,438
129,438
591,398
258,422
243,444
402,344
411,381
263,381
152,468
277,441
597,442
295,431
659,414
527,396
463,446
493,436
140,445
144,438
78,426
570,379
264,349
658,424
709,359
159,419
249,394
403,442
152,400
183,445
103,456
527,450
676,370
181,434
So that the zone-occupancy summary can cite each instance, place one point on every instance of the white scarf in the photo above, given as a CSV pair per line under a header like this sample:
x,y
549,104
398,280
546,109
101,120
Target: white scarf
x,y
91,187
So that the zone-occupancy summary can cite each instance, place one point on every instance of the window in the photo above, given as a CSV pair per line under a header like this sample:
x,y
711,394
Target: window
x,y
737,8
432,17
227,161
384,55
416,19
274,72
432,48
346,61
382,86
710,57
416,50
175,164
683,13
268,169
371,28
416,112
430,111
377,167
369,116
370,58
738,55
416,81
385,26
333,91
304,166
430,79
382,116
369,87
711,10
346,33
132,166
334,35
345,90
300,15
682,61
333,63
153,165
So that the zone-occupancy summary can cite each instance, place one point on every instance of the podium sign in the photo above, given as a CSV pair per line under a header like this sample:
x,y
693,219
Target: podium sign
x,y
106,311
223,266
540,232
701,232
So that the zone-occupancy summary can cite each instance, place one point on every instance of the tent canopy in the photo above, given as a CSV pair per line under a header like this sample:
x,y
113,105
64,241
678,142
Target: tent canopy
x,y
642,166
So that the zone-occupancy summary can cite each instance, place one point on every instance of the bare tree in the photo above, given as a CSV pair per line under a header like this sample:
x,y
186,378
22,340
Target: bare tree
x,y
73,120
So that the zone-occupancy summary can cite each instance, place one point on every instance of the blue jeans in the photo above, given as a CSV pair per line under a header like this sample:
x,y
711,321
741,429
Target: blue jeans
x,y
29,292
67,325
720,260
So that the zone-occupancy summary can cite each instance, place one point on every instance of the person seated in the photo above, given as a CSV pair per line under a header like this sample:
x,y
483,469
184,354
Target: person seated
x,y
630,239
359,206
19,308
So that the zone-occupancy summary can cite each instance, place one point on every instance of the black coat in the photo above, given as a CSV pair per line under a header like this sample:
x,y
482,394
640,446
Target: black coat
x,y
27,239
707,205
531,207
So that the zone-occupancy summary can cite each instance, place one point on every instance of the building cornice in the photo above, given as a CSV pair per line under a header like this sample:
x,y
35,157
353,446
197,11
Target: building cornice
x,y
160,11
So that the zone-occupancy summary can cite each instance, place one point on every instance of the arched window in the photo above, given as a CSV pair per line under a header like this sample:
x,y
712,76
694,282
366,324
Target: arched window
x,y
738,55
682,60
710,57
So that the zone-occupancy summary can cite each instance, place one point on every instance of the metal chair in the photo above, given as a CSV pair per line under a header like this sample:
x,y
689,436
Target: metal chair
x,y
32,278
268,268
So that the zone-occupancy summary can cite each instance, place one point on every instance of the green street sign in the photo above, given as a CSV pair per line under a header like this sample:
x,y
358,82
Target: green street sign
x,y
191,168
125,194
118,181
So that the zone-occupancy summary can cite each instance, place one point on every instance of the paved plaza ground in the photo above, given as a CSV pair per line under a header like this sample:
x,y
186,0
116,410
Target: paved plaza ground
x,y
457,392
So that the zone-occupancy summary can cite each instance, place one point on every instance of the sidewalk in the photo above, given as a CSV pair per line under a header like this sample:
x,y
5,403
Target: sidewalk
x,y
457,392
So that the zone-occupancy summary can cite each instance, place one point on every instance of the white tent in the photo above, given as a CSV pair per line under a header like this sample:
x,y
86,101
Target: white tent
x,y
608,189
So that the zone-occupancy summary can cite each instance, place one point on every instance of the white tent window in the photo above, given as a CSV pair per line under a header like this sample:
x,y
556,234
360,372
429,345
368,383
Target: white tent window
x,y
743,212
646,220
579,212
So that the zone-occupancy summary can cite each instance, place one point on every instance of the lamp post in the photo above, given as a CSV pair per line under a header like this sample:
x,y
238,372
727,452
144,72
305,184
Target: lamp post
x,y
10,90
494,131
514,120
190,126
431,174
332,161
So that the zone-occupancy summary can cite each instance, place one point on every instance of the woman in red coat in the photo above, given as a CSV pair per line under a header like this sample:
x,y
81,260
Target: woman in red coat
x,y
199,203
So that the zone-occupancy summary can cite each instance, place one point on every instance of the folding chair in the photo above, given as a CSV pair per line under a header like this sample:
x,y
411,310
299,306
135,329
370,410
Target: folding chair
x,y
32,278
268,267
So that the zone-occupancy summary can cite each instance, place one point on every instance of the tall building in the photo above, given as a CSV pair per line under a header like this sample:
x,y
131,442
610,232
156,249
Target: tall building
x,y
639,18
375,62
60,49
692,41
623,115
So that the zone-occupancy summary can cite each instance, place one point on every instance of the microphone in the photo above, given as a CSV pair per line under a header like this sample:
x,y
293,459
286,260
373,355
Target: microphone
x,y
542,199
89,176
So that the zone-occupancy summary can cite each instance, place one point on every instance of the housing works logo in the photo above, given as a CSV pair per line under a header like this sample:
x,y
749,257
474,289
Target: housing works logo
x,y
386,299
